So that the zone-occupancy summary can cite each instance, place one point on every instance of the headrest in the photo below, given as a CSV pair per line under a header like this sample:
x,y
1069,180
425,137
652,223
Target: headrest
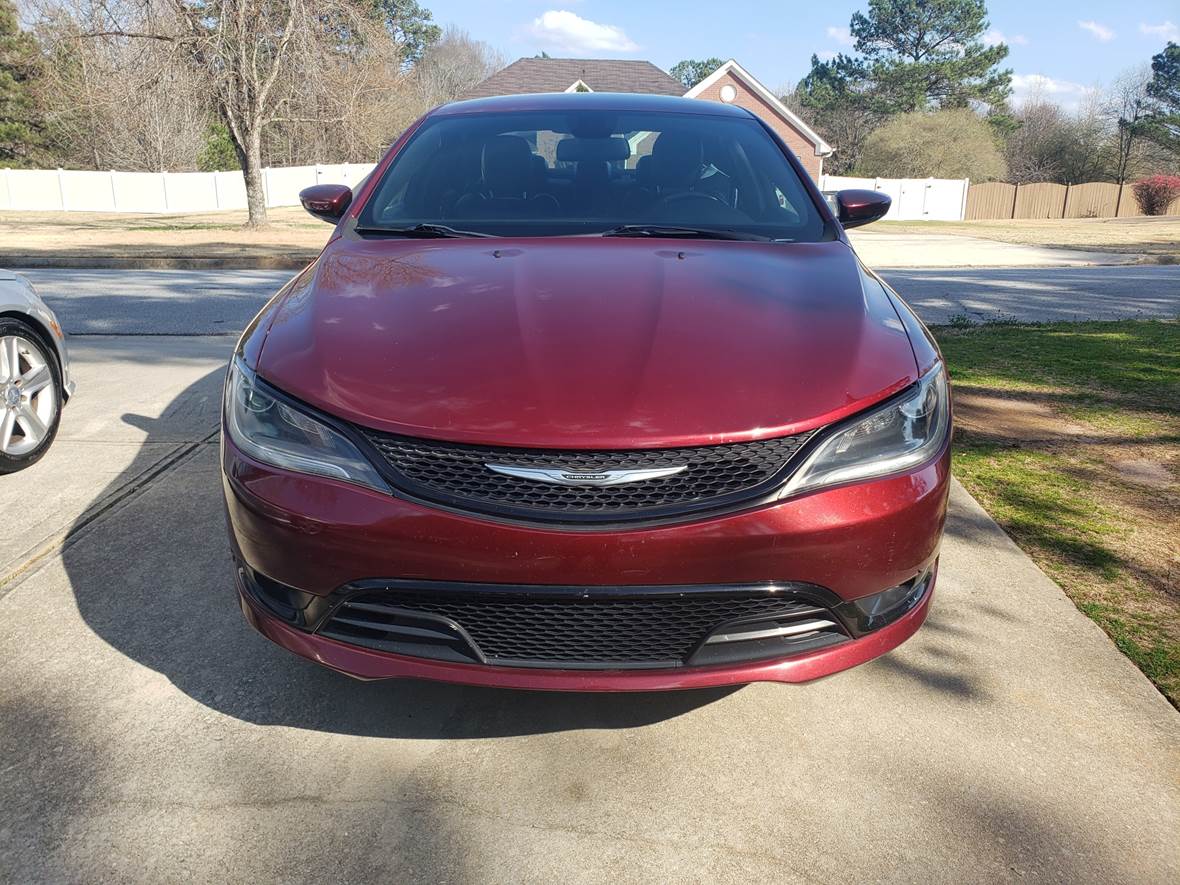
x,y
507,165
575,150
677,158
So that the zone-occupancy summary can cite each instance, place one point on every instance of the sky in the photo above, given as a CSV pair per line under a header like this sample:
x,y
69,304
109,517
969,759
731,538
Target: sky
x,y
1059,49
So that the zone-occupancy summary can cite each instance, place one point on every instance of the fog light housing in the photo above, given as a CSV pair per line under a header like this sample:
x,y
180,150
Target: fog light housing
x,y
881,609
294,606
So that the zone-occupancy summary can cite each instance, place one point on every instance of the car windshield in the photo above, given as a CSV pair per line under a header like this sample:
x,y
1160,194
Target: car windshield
x,y
554,173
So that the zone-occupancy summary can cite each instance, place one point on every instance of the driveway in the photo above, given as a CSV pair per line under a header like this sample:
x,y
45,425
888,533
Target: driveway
x,y
187,302
881,248
146,734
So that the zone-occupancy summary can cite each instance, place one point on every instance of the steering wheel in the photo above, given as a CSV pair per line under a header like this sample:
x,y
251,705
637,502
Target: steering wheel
x,y
689,197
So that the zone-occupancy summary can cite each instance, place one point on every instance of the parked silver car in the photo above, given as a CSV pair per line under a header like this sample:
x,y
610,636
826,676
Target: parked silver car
x,y
34,374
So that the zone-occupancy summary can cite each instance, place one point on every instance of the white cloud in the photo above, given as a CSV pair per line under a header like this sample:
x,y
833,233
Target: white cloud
x,y
1101,32
995,37
565,31
1164,31
843,36
1066,93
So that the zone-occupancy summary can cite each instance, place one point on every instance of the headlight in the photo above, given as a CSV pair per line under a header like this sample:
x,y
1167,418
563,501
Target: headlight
x,y
902,434
274,432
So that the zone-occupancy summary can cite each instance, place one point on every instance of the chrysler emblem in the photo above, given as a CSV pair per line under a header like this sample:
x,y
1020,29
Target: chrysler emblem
x,y
566,477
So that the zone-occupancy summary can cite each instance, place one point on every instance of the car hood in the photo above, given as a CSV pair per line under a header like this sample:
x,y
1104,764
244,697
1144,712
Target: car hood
x,y
587,342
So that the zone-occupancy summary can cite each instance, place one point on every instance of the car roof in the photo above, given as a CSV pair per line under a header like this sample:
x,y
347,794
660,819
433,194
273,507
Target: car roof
x,y
599,101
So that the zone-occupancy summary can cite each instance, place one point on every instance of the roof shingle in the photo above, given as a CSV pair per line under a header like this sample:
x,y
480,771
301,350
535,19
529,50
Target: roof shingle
x,y
527,75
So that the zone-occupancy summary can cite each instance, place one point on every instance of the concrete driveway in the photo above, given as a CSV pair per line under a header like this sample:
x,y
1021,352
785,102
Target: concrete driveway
x,y
147,735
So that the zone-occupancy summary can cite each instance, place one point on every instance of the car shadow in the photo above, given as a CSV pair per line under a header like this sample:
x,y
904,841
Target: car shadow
x,y
152,576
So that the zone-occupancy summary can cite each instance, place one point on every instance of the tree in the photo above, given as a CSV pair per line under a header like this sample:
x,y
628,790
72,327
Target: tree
x,y
218,153
1087,154
21,127
410,26
836,100
262,63
692,71
1034,149
452,66
1162,124
1128,103
954,143
921,54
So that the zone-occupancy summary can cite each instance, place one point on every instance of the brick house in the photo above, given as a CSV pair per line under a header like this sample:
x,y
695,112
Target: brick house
x,y
730,83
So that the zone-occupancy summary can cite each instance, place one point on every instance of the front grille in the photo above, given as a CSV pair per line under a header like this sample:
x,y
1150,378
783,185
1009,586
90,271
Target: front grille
x,y
520,629
716,476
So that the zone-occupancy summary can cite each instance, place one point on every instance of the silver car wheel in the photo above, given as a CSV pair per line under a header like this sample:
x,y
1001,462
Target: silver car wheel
x,y
28,396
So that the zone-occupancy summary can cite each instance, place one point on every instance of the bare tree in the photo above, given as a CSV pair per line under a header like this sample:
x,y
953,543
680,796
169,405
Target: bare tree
x,y
1128,103
452,66
125,104
259,62
1034,149
243,47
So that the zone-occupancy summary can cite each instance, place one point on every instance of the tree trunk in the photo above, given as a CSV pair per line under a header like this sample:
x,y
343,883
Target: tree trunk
x,y
250,156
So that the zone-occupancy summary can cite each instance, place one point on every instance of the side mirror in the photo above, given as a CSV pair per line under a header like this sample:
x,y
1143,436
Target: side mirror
x,y
327,202
857,207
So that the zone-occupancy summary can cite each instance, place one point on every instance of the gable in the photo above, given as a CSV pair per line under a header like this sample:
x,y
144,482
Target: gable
x,y
749,93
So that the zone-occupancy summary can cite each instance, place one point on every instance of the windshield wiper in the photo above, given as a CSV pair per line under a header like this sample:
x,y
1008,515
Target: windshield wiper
x,y
425,230
672,231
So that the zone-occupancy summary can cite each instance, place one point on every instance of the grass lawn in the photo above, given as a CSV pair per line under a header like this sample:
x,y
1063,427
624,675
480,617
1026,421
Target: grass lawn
x,y
1069,435
1156,237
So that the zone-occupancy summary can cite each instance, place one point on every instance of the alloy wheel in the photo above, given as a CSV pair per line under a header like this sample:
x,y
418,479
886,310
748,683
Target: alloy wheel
x,y
28,396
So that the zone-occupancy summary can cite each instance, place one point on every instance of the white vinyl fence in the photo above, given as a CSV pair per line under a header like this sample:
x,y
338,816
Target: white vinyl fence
x,y
48,190
914,199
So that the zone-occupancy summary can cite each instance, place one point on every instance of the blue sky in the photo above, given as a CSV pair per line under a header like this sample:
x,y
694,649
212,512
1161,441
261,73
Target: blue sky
x,y
1060,48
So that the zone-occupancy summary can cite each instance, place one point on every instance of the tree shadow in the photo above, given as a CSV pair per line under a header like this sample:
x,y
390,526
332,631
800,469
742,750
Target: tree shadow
x,y
153,578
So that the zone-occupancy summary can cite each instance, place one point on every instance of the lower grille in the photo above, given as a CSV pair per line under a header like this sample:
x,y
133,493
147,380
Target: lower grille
x,y
573,630
713,477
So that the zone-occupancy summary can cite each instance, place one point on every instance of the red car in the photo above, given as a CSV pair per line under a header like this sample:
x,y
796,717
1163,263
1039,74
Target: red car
x,y
587,392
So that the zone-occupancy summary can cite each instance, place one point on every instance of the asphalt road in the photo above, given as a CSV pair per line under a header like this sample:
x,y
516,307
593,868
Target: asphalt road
x,y
181,302
147,735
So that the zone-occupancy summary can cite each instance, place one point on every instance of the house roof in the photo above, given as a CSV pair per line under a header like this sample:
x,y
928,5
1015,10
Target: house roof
x,y
822,148
527,75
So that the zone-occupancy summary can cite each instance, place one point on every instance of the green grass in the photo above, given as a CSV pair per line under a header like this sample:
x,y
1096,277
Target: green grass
x,y
1109,542
1037,496
1136,360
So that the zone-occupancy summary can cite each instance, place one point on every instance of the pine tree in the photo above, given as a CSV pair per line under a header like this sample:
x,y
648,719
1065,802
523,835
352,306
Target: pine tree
x,y
1162,124
926,54
20,65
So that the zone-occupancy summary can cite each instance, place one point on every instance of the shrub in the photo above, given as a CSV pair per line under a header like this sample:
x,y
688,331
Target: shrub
x,y
945,144
1154,195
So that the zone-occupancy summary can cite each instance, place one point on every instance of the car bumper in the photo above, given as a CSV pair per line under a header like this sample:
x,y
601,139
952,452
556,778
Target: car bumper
x,y
362,663
320,536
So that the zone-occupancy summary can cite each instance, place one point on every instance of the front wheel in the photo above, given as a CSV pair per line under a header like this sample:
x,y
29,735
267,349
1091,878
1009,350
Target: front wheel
x,y
30,395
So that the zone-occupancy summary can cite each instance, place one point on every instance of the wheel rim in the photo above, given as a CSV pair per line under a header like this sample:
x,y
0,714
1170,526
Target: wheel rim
x,y
28,396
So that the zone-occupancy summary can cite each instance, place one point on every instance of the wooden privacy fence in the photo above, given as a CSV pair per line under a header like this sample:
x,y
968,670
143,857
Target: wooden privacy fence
x,y
1095,199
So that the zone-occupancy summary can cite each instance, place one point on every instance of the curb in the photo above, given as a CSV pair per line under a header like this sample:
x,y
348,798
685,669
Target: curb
x,y
157,262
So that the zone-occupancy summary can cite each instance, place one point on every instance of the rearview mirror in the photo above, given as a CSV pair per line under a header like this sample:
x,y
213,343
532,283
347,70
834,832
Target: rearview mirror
x,y
327,202
857,207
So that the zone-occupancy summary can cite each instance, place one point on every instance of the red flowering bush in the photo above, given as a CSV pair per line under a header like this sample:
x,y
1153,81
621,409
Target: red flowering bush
x,y
1154,195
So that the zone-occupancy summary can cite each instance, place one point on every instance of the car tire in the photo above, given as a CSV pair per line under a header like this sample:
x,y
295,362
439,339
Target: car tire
x,y
28,421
